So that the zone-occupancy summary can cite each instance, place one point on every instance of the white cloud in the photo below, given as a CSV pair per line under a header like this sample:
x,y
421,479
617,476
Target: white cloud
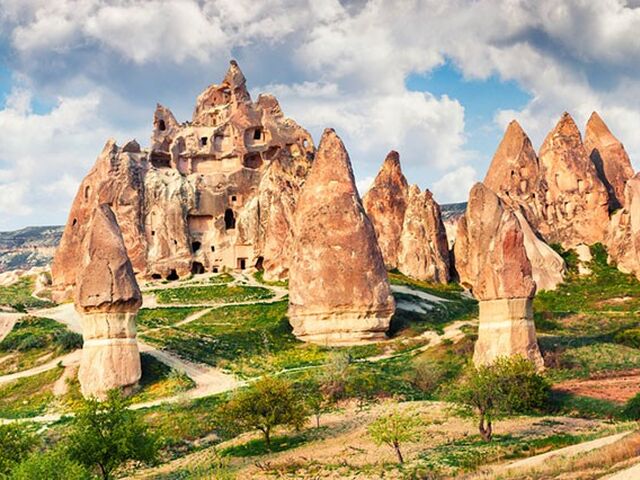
x,y
454,186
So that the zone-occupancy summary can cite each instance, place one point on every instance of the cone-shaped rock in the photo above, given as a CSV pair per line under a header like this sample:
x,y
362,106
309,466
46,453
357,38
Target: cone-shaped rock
x,y
385,203
494,264
108,298
515,176
623,238
609,157
338,287
424,251
577,202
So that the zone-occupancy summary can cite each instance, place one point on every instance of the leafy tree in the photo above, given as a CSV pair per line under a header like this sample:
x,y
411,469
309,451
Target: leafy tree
x,y
52,465
632,408
335,376
363,386
395,429
15,445
107,434
508,386
269,402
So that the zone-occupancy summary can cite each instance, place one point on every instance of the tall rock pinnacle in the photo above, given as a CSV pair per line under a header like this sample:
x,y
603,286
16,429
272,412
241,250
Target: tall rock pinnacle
x,y
338,287
609,157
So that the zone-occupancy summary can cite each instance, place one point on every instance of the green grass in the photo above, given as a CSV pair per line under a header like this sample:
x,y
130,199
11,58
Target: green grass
x,y
259,276
212,294
29,396
257,446
159,380
162,317
562,403
18,295
35,340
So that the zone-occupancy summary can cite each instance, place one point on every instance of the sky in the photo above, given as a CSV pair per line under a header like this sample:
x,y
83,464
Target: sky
x,y
436,81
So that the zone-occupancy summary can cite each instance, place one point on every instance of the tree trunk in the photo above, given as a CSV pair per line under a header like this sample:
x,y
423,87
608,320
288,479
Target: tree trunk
x,y
485,431
267,438
318,421
396,446
105,474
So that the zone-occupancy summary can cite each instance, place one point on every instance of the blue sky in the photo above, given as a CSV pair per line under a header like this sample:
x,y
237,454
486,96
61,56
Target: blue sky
x,y
437,81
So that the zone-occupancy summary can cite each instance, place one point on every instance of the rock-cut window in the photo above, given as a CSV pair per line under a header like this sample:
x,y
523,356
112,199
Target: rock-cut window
x,y
229,219
161,125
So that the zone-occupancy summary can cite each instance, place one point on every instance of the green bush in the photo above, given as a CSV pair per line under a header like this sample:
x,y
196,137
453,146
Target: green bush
x,y
427,375
629,337
68,340
52,465
15,446
632,408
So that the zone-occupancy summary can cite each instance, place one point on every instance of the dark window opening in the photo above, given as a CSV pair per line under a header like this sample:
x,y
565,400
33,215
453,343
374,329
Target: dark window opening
x,y
195,246
233,198
203,141
259,263
197,268
161,125
257,134
215,270
87,191
229,219
156,276
75,221
175,242
213,249
242,263
153,233
173,275
252,160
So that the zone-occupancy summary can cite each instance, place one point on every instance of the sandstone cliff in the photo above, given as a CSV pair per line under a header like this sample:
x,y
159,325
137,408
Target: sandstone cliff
x,y
623,237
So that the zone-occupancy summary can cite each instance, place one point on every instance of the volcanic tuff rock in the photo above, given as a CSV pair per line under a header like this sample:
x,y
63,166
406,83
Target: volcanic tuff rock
x,y
609,157
216,192
338,287
385,203
492,260
576,201
108,298
424,251
623,238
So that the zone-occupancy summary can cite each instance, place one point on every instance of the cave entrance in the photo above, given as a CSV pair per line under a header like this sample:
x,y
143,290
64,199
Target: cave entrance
x,y
259,263
229,219
242,263
195,246
197,268
173,275
161,125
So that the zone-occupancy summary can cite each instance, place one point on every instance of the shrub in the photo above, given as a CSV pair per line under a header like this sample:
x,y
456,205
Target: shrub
x,y
632,408
15,446
105,435
394,429
506,387
270,402
363,386
52,465
68,340
629,337
427,376
333,381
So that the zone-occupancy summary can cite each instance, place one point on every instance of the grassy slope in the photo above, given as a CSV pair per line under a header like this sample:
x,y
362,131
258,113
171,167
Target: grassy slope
x,y
212,294
19,296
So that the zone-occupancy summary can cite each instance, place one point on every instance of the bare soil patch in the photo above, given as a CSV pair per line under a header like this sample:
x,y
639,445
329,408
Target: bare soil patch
x,y
615,386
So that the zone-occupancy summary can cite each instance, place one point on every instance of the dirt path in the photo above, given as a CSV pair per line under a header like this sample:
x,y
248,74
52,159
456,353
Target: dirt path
x,y
418,293
573,450
7,321
615,387
69,359
632,473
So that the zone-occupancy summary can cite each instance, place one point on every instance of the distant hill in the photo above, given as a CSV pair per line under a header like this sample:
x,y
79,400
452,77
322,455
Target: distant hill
x,y
452,211
28,247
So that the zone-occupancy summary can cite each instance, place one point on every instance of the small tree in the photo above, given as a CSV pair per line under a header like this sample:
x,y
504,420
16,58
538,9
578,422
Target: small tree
x,y
395,429
335,376
508,386
316,400
15,446
270,402
363,386
107,434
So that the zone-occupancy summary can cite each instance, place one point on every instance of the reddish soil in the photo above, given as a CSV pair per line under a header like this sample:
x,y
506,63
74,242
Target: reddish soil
x,y
616,386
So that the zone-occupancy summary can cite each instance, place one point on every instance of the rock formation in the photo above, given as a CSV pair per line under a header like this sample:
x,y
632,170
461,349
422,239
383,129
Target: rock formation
x,y
609,157
577,203
108,298
408,225
492,261
623,238
424,251
216,192
338,287
385,203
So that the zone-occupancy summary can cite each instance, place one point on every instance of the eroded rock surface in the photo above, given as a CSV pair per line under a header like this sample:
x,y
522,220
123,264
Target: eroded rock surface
x,y
108,298
623,237
216,192
385,203
491,259
609,157
424,251
338,287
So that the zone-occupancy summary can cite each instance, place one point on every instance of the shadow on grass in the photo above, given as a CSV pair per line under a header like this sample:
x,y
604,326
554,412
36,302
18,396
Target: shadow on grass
x,y
257,446
564,403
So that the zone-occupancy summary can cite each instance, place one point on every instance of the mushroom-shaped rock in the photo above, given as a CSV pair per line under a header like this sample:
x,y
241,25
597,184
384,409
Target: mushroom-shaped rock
x,y
491,259
108,298
609,157
338,287
623,238
385,203
577,202
423,251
